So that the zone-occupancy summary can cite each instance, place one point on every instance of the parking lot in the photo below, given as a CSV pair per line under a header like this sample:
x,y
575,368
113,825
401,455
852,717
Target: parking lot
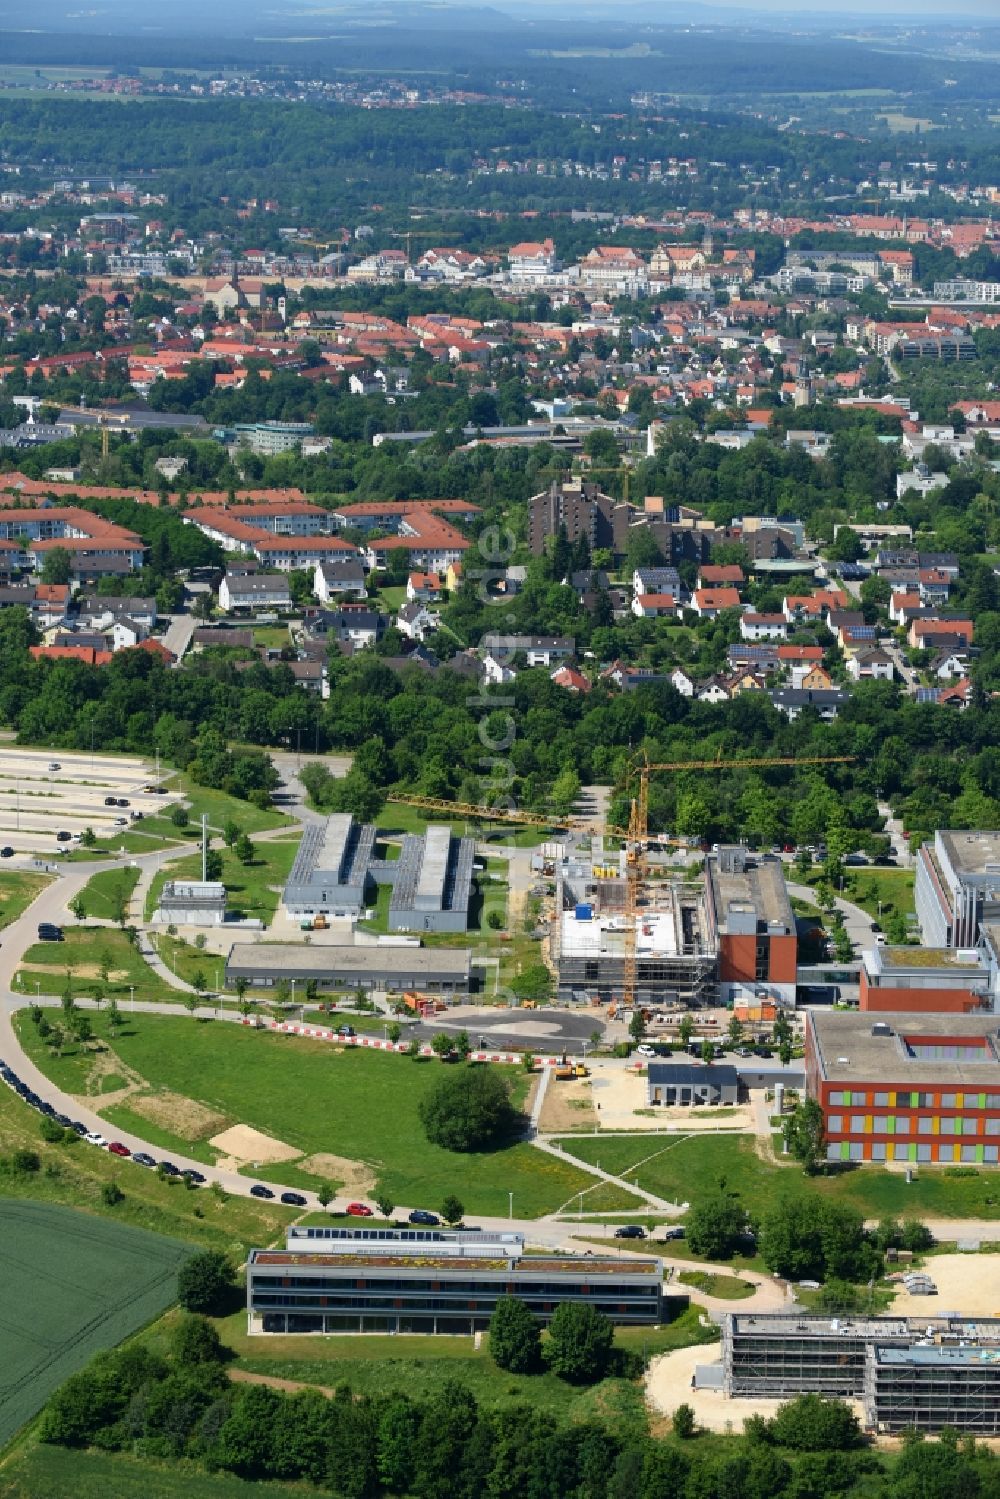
x,y
44,793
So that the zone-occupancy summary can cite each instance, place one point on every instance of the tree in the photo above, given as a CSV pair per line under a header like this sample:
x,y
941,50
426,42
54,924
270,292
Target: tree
x,y
686,1030
579,1344
195,1341
804,1134
385,1205
242,985
707,1051
637,1026
112,1194
468,1109
735,1030
213,865
916,1236
393,1032
104,964
230,832
452,1210
192,1001
58,566
442,1045
244,850
206,1283
114,1016
78,906
515,1337
683,1422
812,1424
716,1226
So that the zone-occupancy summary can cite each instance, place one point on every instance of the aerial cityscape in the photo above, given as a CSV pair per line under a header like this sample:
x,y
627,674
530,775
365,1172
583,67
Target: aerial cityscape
x,y
500,751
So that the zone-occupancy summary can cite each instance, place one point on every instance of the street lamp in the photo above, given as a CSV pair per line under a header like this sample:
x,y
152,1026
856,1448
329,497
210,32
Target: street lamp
x,y
510,1205
131,994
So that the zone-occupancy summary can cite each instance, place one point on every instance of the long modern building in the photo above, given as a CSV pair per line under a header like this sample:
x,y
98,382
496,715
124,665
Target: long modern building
x,y
408,1281
911,1373
437,970
957,886
913,1087
336,873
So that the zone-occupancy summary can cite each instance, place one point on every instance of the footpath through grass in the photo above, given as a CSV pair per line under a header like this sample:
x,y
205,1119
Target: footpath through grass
x,y
359,1105
72,1286
691,1168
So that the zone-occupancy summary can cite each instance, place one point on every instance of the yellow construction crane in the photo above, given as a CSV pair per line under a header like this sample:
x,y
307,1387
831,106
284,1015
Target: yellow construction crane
x,y
638,835
480,813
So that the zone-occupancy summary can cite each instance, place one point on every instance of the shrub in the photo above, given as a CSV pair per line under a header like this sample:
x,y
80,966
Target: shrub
x,y
812,1424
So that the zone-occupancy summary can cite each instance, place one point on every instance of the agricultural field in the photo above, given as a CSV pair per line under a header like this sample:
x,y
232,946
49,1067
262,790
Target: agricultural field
x,y
690,1168
330,1110
72,1285
42,1472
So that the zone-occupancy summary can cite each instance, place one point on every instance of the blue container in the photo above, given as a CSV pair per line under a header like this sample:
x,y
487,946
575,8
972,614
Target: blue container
x,y
584,913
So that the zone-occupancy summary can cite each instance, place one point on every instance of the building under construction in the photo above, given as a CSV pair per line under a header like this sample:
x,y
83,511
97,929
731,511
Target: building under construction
x,y
923,1373
676,960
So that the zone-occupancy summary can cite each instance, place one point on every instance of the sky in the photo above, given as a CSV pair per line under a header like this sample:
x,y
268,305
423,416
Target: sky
x,y
985,10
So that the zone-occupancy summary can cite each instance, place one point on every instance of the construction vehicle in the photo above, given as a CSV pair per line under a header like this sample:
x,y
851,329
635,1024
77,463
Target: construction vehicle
x,y
319,923
571,1072
424,1005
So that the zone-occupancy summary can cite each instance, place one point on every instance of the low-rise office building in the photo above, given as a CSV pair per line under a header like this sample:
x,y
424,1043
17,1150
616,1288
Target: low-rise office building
x,y
690,1084
449,1285
935,980
192,903
916,1088
439,970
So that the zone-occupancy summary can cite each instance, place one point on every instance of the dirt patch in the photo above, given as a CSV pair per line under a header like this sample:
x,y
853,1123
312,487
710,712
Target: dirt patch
x,y
357,1176
110,1080
79,971
566,1107
179,1115
241,1143
969,1282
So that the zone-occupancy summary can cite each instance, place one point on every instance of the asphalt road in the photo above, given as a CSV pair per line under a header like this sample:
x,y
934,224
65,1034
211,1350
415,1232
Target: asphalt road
x,y
516,1030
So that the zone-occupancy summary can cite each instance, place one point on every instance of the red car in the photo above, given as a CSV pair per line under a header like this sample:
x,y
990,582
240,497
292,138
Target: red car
x,y
359,1210
117,1148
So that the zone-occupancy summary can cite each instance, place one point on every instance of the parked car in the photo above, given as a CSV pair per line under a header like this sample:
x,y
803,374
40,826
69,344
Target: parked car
x,y
141,1158
109,801
117,1148
62,836
420,1215
169,1169
93,1138
7,852
673,1233
257,1190
645,1051
193,1176
122,801
630,1231
359,1210
54,765
49,933
293,1199
346,1030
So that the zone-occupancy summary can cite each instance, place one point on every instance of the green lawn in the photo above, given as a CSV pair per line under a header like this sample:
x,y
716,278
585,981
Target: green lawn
x,y
375,1365
726,1287
83,952
361,1105
72,1286
74,1174
104,892
687,1169
274,637
252,890
219,809
17,891
43,1472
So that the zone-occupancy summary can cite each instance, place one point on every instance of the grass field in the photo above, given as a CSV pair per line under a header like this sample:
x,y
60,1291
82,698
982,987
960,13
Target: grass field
x,y
103,892
17,891
688,1169
726,1287
61,1473
252,890
217,807
369,1366
72,1285
355,1104
83,952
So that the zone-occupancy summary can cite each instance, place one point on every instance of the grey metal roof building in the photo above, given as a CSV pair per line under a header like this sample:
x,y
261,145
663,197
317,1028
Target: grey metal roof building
x,y
335,871
927,1387
331,869
440,970
192,903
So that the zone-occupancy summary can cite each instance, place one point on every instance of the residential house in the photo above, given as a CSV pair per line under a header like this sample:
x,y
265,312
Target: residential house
x,y
655,606
340,577
415,621
720,575
755,627
354,624
252,591
424,588
926,632
570,678
657,580
793,701
540,650
948,665
682,682
870,666
714,690
708,603
496,669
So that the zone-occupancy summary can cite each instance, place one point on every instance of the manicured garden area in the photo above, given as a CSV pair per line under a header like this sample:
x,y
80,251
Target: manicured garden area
x,y
354,1104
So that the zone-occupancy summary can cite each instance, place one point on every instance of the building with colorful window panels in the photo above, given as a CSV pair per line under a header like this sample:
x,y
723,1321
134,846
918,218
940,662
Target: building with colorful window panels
x,y
917,1088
